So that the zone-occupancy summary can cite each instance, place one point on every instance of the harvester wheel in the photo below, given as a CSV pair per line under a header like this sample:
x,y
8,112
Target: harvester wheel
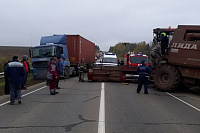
x,y
66,72
167,78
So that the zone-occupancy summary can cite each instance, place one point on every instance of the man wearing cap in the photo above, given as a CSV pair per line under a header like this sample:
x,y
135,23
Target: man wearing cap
x,y
143,72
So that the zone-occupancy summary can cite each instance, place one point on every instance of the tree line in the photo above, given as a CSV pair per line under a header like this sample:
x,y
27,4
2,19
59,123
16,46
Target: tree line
x,y
121,48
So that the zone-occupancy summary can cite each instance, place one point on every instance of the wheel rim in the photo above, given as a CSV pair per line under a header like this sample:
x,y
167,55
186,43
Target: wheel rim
x,y
165,78
66,72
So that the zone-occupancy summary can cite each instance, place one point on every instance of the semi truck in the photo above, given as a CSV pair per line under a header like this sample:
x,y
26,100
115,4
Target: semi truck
x,y
71,48
180,67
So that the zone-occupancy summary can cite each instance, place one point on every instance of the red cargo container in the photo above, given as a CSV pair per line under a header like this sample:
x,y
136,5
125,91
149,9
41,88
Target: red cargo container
x,y
78,48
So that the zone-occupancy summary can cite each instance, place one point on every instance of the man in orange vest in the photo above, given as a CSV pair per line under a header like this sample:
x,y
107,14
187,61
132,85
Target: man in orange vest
x,y
25,64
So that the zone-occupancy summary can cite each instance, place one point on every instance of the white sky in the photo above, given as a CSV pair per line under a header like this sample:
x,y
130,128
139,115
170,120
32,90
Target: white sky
x,y
104,22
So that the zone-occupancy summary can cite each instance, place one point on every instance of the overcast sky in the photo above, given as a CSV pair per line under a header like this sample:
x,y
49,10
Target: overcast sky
x,y
104,22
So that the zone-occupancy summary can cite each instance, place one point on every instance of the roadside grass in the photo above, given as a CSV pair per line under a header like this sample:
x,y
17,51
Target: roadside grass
x,y
2,83
6,53
30,82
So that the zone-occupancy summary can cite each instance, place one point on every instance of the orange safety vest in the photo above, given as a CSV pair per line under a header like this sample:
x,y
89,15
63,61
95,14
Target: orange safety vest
x,y
25,66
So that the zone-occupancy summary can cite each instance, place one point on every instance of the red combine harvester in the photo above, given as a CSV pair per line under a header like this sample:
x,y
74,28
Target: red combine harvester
x,y
124,72
181,64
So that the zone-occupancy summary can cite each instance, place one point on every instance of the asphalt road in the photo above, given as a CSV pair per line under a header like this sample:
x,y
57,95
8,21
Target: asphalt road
x,y
91,107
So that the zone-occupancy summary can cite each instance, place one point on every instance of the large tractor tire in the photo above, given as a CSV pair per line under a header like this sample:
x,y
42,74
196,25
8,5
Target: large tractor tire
x,y
166,78
66,72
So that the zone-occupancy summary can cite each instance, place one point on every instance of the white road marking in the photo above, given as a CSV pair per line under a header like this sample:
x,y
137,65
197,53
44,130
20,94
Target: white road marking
x,y
34,91
184,102
101,124
25,95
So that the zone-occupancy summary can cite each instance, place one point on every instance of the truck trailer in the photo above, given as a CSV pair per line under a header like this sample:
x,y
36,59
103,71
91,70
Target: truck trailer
x,y
71,48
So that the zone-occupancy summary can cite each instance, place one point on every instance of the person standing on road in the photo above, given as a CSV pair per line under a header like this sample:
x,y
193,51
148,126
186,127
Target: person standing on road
x,y
59,65
53,69
143,72
26,66
15,72
81,67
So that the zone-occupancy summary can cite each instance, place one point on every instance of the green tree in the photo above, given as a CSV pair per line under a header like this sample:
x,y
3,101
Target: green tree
x,y
142,47
111,49
121,48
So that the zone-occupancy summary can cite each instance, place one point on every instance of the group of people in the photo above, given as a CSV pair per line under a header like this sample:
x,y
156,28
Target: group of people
x,y
55,70
15,77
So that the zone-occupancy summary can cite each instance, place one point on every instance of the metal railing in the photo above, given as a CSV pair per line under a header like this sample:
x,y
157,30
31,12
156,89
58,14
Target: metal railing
x,y
2,75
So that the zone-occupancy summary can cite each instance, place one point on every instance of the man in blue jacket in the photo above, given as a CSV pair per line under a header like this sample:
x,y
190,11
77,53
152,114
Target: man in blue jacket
x,y
143,72
60,67
15,72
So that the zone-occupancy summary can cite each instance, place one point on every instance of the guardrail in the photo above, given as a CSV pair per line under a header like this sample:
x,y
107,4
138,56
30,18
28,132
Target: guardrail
x,y
2,75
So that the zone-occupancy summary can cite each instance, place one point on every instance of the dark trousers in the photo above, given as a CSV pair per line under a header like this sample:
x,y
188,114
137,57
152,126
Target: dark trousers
x,y
52,86
81,75
163,48
7,86
142,80
57,83
15,92
24,78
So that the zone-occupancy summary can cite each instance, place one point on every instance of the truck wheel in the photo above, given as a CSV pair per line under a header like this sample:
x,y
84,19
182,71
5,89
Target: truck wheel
x,y
66,72
167,78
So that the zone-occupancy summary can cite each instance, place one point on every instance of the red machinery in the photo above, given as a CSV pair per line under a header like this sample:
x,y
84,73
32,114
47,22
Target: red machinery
x,y
181,64
120,72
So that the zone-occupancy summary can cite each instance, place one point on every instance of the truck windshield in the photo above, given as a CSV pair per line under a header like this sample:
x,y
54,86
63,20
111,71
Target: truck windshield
x,y
138,60
44,51
110,60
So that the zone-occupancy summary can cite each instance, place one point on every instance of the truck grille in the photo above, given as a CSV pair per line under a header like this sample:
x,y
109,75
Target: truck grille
x,y
40,64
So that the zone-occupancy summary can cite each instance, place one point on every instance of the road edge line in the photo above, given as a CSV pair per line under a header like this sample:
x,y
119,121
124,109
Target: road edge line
x,y
24,95
183,101
34,91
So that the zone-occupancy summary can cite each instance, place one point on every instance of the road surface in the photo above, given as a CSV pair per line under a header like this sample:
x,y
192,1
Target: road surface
x,y
96,107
